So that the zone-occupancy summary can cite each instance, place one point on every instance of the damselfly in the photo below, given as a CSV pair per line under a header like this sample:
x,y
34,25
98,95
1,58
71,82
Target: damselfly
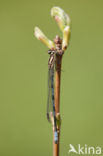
x,y
51,97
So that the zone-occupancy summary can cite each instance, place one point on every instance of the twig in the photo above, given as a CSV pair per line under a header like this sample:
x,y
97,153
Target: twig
x,y
58,43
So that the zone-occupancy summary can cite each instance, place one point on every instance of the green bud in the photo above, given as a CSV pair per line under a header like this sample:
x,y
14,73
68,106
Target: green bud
x,y
66,37
40,36
61,17
64,23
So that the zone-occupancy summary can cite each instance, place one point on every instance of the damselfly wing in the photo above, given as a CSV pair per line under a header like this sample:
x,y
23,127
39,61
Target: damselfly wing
x,y
51,63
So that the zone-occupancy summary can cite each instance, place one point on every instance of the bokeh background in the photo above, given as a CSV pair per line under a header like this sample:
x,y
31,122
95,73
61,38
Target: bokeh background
x,y
24,130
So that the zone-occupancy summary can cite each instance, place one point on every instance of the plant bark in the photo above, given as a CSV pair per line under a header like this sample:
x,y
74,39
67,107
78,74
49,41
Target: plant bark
x,y
57,100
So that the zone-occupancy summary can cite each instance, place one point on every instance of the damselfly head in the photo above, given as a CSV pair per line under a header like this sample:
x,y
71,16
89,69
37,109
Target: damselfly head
x,y
50,52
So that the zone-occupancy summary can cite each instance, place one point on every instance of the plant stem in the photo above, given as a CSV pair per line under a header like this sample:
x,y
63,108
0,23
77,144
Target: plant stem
x,y
57,100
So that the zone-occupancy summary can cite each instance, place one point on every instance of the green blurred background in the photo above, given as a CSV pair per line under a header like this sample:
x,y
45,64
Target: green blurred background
x,y
24,130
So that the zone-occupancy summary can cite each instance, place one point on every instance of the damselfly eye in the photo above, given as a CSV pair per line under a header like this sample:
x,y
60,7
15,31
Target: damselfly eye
x,y
53,52
49,51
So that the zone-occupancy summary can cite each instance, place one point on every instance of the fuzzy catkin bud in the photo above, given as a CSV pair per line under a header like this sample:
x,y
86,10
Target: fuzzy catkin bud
x,y
61,17
66,37
64,23
40,36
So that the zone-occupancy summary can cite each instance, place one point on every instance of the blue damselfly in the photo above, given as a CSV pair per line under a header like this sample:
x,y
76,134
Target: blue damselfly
x,y
53,64
51,97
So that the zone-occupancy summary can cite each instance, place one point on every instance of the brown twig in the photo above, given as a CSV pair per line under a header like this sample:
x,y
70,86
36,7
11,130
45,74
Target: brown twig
x,y
58,43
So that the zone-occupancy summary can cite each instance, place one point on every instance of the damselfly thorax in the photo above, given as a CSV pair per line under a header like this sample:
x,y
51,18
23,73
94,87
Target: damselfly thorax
x,y
52,58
